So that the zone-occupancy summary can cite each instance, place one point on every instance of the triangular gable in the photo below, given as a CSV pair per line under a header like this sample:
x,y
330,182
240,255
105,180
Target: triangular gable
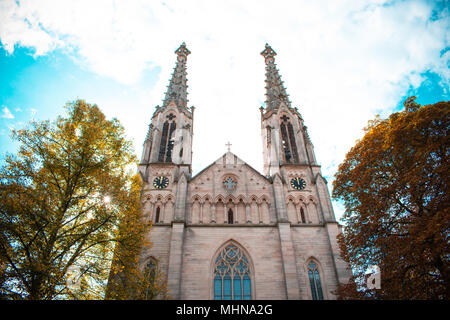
x,y
229,156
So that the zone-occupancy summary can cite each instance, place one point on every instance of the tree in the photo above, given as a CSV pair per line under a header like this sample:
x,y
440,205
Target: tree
x,y
63,199
130,277
393,183
129,281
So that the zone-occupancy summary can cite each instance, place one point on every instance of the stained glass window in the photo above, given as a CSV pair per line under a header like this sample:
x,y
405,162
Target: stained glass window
x,y
229,183
232,275
150,269
314,281
150,274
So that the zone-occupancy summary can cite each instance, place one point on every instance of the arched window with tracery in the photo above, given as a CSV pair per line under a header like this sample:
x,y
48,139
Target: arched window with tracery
x,y
288,140
150,273
167,139
232,275
314,281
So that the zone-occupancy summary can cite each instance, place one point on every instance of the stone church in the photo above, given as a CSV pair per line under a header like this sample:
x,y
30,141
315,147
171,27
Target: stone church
x,y
230,232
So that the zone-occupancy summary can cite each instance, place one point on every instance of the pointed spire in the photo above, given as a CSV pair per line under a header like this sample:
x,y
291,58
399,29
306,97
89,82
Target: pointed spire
x,y
177,89
275,91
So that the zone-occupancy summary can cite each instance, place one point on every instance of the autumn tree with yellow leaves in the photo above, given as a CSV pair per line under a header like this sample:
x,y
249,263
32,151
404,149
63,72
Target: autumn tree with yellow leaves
x,y
69,205
394,184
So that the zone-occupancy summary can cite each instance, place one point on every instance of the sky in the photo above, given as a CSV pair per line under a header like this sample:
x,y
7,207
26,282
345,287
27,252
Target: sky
x,y
342,63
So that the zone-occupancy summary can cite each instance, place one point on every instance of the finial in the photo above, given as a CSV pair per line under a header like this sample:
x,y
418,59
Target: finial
x,y
268,52
182,50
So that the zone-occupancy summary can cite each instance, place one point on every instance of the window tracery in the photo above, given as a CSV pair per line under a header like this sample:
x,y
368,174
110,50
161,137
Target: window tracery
x,y
288,140
167,140
314,281
232,275
150,273
229,183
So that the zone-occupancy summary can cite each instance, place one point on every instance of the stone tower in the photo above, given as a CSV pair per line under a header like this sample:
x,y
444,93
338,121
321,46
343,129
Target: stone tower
x,y
166,163
290,161
230,232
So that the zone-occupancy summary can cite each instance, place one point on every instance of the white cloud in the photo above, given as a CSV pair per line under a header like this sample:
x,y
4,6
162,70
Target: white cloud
x,y
33,112
342,61
7,114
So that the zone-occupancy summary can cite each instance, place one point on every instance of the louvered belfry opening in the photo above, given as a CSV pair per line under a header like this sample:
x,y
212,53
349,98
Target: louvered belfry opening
x,y
167,139
288,140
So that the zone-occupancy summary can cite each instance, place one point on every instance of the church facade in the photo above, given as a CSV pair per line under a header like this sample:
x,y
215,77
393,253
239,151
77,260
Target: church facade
x,y
230,232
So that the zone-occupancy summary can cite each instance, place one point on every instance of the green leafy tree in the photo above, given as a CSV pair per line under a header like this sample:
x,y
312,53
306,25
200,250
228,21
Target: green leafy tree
x,y
63,198
394,184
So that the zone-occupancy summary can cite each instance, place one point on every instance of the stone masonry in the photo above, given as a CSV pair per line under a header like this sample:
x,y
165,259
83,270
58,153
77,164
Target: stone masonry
x,y
281,220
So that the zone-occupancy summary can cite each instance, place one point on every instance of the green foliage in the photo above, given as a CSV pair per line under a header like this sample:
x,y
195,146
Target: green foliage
x,y
63,198
394,186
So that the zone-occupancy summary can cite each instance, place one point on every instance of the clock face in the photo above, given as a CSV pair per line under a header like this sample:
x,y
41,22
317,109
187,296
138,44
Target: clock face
x,y
160,182
298,183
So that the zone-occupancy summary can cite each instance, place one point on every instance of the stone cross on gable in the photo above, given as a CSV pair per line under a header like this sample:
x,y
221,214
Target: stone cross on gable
x,y
228,145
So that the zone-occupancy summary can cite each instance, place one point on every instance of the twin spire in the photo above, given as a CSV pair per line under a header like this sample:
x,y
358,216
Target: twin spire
x,y
177,89
275,91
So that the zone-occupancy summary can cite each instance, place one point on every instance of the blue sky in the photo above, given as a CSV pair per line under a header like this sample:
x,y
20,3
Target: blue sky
x,y
38,88
342,63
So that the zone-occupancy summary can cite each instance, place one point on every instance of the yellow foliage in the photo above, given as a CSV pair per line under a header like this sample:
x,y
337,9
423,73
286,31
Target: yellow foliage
x,y
393,183
53,217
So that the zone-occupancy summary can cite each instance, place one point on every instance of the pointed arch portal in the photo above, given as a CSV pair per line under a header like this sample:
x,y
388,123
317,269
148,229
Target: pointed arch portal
x,y
232,274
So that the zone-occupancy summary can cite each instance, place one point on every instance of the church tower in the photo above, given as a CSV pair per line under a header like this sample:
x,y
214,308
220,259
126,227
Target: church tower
x,y
285,137
230,232
169,137
166,167
290,161
287,148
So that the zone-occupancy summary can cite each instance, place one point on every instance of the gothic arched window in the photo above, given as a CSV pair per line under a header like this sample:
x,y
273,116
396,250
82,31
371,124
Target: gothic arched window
x,y
150,271
288,140
230,216
158,213
302,214
166,144
232,275
314,281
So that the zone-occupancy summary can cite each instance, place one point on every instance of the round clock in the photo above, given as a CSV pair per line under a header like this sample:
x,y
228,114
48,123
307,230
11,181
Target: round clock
x,y
298,183
160,182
